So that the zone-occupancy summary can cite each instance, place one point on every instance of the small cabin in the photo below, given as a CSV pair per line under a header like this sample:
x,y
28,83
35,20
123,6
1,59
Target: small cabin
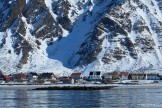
x,y
160,76
152,77
95,76
137,76
21,76
115,75
47,76
1,77
32,75
124,75
6,77
76,75
66,80
107,77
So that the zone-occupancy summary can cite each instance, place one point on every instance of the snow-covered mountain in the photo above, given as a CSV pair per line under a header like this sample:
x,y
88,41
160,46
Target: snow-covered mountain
x,y
64,35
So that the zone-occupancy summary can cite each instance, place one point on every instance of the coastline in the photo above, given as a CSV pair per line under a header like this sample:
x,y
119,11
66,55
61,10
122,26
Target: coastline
x,y
77,86
58,87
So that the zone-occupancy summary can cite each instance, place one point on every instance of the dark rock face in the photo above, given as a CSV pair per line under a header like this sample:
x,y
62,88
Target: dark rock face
x,y
90,48
9,12
37,15
115,23
131,48
25,51
61,9
44,26
116,29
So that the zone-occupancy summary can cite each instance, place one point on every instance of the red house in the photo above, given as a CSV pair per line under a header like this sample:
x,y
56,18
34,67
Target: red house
x,y
21,76
6,77
76,75
124,75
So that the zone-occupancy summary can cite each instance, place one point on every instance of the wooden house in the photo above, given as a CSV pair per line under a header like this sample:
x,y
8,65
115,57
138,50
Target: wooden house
x,y
1,77
6,77
32,76
76,75
21,76
107,77
137,76
152,77
115,75
66,80
160,76
14,76
123,75
47,76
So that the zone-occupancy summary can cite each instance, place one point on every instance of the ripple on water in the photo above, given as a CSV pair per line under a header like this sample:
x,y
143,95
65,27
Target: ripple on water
x,y
114,98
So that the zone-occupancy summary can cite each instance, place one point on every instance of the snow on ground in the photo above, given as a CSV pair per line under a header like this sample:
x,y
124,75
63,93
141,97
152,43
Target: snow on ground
x,y
62,54
143,84
145,60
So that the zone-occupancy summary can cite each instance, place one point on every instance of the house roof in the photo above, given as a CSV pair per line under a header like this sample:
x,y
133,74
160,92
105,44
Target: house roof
x,y
114,73
105,74
22,75
33,73
95,73
152,74
47,75
76,74
137,74
6,77
124,73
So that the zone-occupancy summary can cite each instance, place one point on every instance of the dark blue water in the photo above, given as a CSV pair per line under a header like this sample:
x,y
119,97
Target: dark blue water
x,y
115,98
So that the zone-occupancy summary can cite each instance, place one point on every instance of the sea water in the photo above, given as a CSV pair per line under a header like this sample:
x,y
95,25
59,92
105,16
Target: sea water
x,y
113,98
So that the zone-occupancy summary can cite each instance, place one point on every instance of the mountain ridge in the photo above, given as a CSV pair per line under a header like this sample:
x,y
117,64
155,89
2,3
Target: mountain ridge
x,y
83,35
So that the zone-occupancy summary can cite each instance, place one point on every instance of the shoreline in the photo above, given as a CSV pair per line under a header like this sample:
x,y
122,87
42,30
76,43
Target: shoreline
x,y
76,86
57,87
140,86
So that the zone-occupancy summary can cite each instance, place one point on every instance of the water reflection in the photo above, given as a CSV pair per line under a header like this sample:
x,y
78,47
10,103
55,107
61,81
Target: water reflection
x,y
7,98
115,98
38,99
76,99
20,98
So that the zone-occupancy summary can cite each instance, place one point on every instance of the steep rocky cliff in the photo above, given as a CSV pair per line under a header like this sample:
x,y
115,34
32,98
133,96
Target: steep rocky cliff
x,y
59,35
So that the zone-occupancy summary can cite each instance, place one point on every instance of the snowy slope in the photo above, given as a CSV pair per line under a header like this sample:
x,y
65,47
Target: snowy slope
x,y
64,35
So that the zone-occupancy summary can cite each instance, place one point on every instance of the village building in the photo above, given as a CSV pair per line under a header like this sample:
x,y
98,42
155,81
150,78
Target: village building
x,y
152,76
1,77
14,77
32,76
76,76
95,76
123,75
21,76
115,75
6,77
11,77
137,76
47,76
107,77
160,76
66,80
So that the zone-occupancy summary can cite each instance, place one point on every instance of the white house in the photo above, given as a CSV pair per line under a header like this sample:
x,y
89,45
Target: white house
x,y
152,77
95,76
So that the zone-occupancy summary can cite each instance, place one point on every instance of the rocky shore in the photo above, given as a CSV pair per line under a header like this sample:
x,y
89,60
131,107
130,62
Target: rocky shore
x,y
75,88
58,87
